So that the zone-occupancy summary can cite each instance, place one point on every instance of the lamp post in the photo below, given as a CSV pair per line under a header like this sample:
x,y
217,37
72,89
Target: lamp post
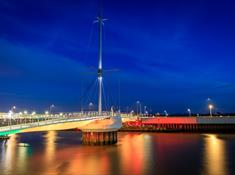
x,y
137,111
46,114
210,109
145,110
166,113
25,114
51,107
138,107
20,115
33,114
132,112
13,109
189,112
90,106
11,113
9,117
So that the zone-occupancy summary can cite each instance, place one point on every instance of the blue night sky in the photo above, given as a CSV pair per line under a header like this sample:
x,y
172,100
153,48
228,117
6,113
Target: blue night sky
x,y
172,55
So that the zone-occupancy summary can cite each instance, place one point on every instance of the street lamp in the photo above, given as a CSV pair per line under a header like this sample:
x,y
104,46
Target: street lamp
x,y
132,112
46,114
90,106
210,109
10,113
20,116
189,112
138,106
25,113
145,110
51,107
165,112
33,113
137,102
13,109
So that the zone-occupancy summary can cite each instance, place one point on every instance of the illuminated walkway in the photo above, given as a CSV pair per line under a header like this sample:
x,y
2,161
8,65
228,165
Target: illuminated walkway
x,y
51,124
41,123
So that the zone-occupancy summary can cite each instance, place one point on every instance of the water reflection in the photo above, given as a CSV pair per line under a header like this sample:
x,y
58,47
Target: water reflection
x,y
13,156
22,159
215,160
135,153
9,154
50,146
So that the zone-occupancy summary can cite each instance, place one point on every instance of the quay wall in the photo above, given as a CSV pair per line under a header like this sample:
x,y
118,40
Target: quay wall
x,y
181,124
190,120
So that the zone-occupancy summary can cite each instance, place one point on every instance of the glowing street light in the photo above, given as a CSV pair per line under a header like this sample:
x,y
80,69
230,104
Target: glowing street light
x,y
165,112
25,113
210,108
145,110
189,112
132,112
13,108
33,113
10,113
91,106
138,106
51,108
46,114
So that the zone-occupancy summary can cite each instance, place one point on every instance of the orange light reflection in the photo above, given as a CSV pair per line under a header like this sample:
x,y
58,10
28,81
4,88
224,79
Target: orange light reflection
x,y
214,162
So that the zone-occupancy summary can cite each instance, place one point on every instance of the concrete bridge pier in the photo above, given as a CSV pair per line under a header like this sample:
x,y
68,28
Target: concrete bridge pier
x,y
99,138
101,132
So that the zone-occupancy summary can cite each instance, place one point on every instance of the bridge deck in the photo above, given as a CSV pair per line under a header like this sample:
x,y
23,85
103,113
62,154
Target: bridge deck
x,y
53,124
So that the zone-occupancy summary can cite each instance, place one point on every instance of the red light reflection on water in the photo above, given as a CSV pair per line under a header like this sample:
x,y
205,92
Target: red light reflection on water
x,y
135,153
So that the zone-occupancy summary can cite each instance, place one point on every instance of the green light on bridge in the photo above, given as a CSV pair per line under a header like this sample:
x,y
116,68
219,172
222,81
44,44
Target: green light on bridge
x,y
5,133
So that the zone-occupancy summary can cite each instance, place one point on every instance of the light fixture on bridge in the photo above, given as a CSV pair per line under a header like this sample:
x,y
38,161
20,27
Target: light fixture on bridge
x,y
210,106
10,113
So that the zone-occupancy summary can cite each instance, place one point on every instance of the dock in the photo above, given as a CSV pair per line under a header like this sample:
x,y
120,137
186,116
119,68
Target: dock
x,y
182,124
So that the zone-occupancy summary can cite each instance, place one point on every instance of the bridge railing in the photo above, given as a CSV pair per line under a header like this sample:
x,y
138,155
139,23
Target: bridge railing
x,y
16,119
49,121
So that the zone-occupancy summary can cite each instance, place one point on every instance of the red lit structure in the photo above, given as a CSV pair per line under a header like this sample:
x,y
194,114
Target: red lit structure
x,y
181,124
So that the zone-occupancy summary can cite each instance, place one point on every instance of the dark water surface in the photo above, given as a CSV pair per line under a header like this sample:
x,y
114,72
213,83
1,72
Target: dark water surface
x,y
50,153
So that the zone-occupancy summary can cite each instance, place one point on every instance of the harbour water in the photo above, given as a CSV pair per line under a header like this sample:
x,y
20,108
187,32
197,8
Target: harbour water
x,y
49,153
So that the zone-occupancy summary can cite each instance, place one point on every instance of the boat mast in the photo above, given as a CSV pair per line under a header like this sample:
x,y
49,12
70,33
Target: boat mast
x,y
100,21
